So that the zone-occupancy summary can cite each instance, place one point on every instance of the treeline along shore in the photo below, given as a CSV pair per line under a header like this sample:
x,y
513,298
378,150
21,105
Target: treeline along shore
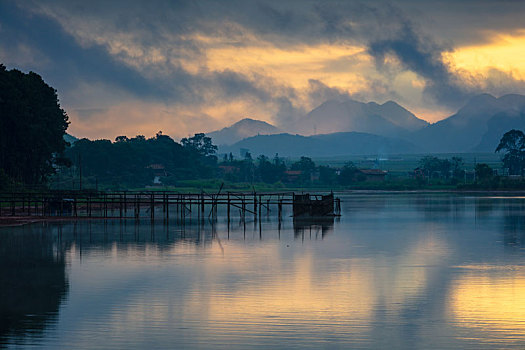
x,y
34,155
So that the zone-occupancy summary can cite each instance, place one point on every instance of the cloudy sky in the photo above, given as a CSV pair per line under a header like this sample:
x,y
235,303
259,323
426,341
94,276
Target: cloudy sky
x,y
137,67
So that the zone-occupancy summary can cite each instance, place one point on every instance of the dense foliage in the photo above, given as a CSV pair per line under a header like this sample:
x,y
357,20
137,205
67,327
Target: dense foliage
x,y
32,127
513,144
137,161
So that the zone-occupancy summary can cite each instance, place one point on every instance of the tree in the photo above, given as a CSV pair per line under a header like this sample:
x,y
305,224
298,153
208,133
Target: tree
x,y
121,139
32,126
457,167
270,172
484,172
306,166
513,143
348,173
201,144
131,162
433,165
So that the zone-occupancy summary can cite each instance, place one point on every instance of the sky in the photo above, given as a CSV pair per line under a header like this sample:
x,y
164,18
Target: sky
x,y
138,67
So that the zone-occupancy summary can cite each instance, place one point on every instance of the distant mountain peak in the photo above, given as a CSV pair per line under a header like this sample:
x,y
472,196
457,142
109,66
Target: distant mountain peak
x,y
241,129
478,125
387,119
249,122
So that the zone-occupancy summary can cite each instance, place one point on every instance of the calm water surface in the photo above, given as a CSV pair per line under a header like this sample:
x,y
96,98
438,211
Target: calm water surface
x,y
394,272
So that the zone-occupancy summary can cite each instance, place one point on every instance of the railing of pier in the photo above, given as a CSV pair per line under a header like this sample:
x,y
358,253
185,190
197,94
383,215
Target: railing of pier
x,y
140,204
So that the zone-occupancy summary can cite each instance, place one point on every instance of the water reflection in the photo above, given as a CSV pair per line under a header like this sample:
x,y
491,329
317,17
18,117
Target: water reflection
x,y
395,271
33,282
319,227
489,301
514,224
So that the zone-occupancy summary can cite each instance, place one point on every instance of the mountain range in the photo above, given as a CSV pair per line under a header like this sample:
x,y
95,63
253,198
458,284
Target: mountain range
x,y
388,119
334,144
352,127
477,126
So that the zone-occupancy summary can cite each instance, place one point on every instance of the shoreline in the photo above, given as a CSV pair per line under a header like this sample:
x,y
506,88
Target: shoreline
x,y
443,191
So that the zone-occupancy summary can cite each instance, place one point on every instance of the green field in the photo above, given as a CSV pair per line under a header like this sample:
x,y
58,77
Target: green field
x,y
399,165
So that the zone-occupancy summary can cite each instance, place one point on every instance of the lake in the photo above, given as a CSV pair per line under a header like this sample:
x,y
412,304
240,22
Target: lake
x,y
395,271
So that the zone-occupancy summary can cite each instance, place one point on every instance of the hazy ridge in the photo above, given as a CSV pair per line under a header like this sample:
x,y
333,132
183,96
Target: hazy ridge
x,y
371,128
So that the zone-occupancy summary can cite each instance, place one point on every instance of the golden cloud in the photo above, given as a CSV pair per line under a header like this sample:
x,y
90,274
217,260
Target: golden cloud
x,y
504,52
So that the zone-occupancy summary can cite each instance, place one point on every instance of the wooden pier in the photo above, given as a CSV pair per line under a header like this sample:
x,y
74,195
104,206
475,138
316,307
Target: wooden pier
x,y
153,204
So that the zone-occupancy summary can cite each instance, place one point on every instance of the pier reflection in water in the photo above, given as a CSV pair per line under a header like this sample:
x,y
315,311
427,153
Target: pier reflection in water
x,y
395,271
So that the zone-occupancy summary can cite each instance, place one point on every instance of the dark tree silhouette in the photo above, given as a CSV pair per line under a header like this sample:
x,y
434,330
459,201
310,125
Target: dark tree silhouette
x,y
200,143
433,165
32,126
130,162
513,143
348,174
484,172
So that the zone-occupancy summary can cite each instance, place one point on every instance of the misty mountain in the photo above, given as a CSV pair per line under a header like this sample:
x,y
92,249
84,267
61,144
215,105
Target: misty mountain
x,y
243,128
498,125
388,119
335,144
477,126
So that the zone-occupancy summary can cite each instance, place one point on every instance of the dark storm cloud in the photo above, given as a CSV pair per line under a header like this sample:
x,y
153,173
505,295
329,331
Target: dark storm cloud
x,y
70,62
66,61
423,57
74,37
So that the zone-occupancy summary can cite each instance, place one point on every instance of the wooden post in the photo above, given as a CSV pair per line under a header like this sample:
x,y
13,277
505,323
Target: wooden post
x,y
228,211
243,209
121,203
183,208
167,207
105,205
75,206
152,206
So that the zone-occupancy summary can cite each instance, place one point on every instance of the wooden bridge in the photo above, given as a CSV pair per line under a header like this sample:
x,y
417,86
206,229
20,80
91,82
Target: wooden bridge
x,y
140,204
